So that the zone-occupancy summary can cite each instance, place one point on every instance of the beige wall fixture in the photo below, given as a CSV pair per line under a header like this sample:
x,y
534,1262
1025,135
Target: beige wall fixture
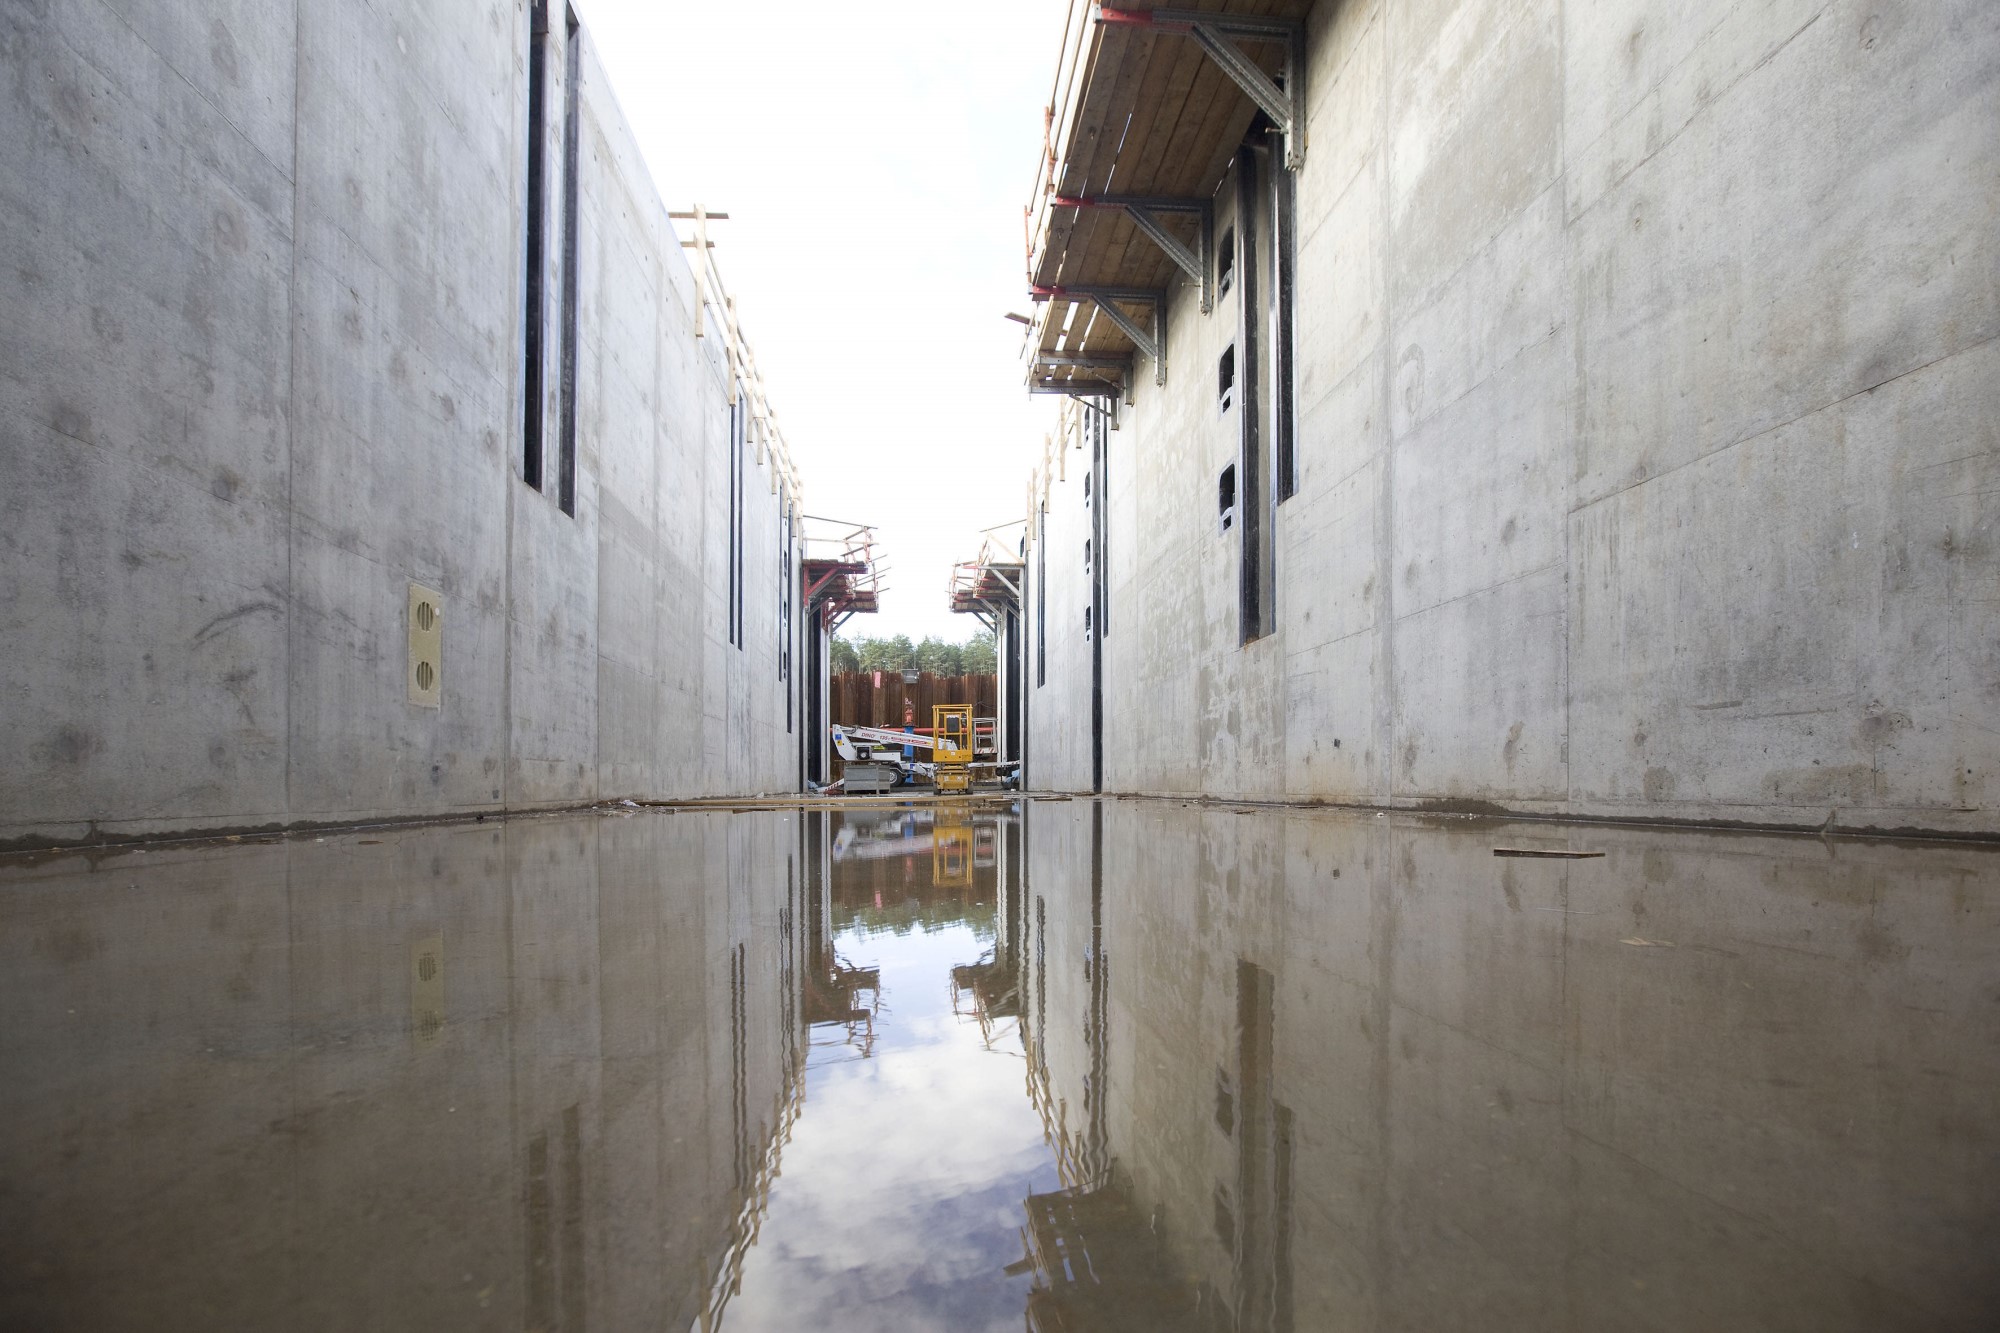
x,y
426,670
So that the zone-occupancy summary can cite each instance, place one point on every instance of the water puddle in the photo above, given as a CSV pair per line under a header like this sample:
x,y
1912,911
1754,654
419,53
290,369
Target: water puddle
x,y
1108,1066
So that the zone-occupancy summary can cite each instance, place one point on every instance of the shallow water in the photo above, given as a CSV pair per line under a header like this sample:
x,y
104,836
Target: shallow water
x,y
1098,1066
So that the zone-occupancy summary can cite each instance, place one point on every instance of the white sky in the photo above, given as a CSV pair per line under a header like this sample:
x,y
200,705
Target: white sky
x,y
873,160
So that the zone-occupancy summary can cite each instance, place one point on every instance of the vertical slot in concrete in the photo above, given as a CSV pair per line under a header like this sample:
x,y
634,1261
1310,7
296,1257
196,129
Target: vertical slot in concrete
x,y
566,445
1284,399
535,313
1253,570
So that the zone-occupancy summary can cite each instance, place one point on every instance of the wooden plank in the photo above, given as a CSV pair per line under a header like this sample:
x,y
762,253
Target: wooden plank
x,y
1169,108
1090,164
1145,101
1107,100
1186,119
1127,258
1104,50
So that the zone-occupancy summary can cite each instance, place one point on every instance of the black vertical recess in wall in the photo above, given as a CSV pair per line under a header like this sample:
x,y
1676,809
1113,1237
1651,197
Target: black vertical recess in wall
x,y
1251,478
1284,394
742,496
566,446
1099,593
1010,647
738,415
814,736
729,609
1041,595
535,313
787,581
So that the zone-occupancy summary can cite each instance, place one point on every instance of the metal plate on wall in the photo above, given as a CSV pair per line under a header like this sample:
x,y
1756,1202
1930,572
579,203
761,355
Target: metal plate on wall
x,y
426,666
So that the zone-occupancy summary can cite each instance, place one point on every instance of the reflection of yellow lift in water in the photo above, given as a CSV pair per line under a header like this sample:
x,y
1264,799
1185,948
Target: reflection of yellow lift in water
x,y
951,847
951,746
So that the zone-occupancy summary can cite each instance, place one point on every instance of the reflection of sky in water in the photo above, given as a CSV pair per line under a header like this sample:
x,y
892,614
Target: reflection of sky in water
x,y
899,1203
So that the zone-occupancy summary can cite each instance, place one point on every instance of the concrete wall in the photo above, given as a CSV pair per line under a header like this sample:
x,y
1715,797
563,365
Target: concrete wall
x,y
1647,386
263,281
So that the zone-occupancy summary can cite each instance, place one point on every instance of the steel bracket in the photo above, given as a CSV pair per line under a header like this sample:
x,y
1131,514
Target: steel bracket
x,y
1284,101
1145,212
1152,342
1079,388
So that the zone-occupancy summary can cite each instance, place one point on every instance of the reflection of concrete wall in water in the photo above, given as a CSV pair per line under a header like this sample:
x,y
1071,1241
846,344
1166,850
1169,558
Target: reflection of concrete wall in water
x,y
586,1129
1061,1030
1646,373
266,300
1364,1072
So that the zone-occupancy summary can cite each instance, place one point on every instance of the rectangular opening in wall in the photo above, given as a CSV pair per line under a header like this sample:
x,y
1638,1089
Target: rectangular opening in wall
x,y
1225,262
566,445
1088,626
1086,555
1284,374
1255,515
784,606
735,460
1225,378
534,314
1041,596
1225,498
1100,523
741,526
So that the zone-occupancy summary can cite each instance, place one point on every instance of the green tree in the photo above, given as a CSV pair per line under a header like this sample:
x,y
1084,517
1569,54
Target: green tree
x,y
897,654
978,657
973,657
940,658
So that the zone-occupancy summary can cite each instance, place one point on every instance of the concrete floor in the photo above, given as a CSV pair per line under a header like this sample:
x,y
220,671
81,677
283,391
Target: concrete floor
x,y
911,1068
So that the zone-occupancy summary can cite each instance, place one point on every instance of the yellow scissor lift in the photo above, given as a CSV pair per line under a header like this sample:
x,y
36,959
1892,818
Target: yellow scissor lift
x,y
951,746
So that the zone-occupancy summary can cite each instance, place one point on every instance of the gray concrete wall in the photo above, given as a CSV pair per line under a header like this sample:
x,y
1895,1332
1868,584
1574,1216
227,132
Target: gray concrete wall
x,y
1647,386
263,286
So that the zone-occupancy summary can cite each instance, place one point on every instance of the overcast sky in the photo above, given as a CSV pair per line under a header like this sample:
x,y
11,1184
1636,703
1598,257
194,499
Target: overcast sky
x,y
873,160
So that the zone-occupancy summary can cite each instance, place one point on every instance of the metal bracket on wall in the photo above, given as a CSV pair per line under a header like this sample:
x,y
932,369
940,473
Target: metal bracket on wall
x,y
1145,211
1215,33
1152,342
1046,363
1097,397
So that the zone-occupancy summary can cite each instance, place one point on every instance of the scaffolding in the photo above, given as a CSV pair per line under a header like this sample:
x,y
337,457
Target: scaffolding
x,y
842,575
989,585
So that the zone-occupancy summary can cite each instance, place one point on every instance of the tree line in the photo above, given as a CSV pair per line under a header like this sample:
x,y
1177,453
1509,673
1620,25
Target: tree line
x,y
974,657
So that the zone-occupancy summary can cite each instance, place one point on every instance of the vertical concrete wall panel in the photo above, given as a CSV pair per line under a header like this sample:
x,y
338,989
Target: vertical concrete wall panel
x,y
151,239
1645,385
265,272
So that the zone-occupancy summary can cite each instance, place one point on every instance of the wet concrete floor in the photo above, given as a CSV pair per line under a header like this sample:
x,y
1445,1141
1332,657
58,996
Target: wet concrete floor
x,y
1121,1065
